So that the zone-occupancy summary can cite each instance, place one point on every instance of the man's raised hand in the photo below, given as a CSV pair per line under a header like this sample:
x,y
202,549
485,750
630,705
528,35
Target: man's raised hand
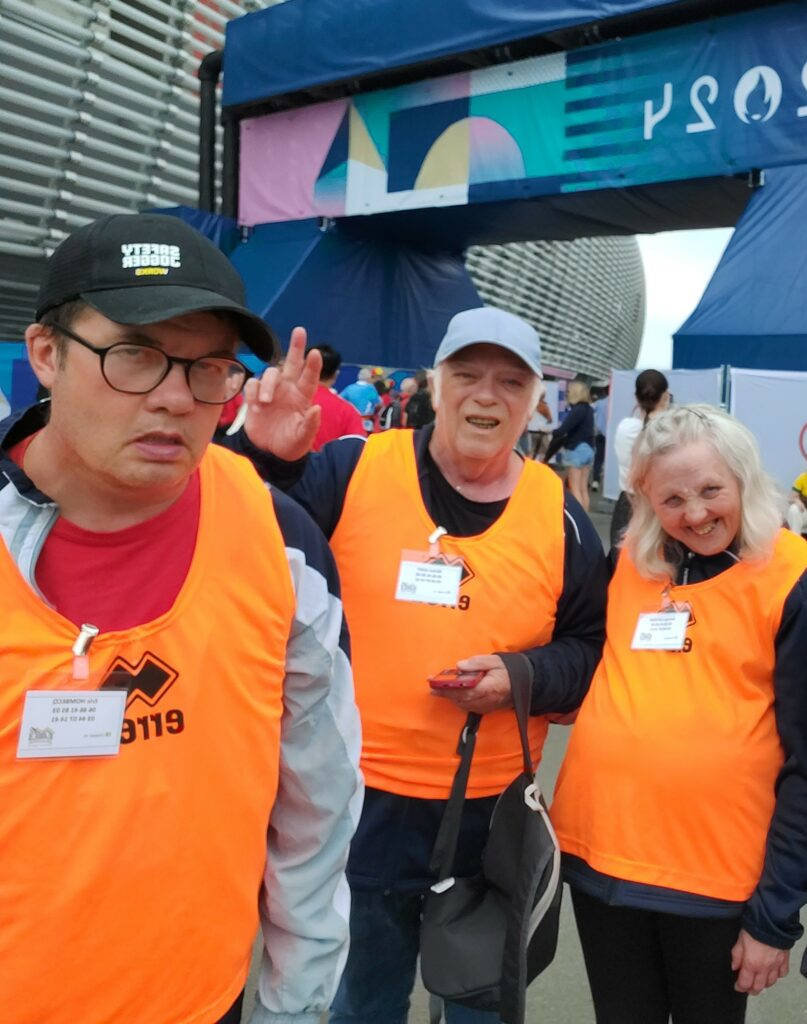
x,y
280,417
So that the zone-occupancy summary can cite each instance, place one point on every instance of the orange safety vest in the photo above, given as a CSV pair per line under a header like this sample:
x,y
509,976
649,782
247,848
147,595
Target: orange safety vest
x,y
513,577
669,775
129,885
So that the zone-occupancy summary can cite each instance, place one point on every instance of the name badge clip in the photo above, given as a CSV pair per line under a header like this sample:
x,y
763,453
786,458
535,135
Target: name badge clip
x,y
81,650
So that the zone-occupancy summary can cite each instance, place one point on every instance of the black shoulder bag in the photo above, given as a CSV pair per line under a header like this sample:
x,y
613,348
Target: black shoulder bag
x,y
484,939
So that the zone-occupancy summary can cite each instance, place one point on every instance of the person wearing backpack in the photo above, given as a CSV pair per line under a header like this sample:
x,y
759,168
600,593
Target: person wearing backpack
x,y
515,566
419,410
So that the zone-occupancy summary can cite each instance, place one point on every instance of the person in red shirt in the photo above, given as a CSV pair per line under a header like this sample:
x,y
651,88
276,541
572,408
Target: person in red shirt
x,y
339,417
175,704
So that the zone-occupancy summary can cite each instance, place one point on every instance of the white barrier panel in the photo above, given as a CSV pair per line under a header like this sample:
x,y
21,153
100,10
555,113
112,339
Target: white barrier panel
x,y
5,408
552,396
686,386
773,405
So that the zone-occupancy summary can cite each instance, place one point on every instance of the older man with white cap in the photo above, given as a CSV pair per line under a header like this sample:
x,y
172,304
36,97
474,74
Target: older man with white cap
x,y
514,566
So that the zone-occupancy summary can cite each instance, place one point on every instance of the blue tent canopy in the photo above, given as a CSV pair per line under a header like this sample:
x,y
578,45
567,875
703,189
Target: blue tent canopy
x,y
303,43
753,313
373,300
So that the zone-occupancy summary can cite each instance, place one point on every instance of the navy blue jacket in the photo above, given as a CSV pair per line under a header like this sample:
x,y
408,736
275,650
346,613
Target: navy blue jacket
x,y
577,428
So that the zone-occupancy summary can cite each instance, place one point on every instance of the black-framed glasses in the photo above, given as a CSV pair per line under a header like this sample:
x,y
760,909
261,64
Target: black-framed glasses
x,y
135,369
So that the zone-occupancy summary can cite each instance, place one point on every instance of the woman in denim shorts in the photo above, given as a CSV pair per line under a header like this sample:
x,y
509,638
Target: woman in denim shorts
x,y
576,436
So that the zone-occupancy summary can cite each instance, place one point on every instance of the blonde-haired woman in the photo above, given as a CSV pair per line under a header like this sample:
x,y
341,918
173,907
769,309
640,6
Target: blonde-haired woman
x,y
681,807
576,436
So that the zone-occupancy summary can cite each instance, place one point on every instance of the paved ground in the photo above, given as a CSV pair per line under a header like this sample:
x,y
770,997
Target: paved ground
x,y
560,995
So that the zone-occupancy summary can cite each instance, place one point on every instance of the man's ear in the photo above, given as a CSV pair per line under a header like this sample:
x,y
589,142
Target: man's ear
x,y
43,353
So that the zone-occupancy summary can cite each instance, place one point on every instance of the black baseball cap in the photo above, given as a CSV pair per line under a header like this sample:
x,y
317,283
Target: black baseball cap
x,y
144,268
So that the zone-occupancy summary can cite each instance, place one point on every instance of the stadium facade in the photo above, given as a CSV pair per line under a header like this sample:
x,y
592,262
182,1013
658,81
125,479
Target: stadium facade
x,y
585,297
100,114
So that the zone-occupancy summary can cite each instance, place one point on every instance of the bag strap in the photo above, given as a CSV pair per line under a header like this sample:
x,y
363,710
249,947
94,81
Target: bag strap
x,y
519,668
445,845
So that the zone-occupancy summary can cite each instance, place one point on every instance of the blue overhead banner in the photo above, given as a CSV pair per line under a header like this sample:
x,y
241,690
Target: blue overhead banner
x,y
707,100
713,98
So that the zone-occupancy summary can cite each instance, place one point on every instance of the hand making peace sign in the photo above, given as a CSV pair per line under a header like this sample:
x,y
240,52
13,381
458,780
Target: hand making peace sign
x,y
280,417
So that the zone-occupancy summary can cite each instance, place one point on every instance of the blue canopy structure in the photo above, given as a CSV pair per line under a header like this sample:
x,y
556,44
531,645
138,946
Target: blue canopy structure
x,y
304,43
366,145
753,314
372,300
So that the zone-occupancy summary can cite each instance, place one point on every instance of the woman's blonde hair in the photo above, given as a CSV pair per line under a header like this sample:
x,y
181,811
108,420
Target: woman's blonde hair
x,y
761,505
578,391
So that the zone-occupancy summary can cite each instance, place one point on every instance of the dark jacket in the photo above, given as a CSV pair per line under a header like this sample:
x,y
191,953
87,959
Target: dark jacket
x,y
577,428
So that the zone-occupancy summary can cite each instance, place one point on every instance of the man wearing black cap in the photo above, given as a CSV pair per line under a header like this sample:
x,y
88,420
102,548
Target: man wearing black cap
x,y
452,548
178,740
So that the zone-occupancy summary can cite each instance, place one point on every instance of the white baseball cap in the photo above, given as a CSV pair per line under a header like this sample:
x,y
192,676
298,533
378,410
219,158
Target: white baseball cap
x,y
486,324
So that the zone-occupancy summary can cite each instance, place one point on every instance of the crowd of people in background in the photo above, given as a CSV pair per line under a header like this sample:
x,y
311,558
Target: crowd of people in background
x,y
372,403
576,447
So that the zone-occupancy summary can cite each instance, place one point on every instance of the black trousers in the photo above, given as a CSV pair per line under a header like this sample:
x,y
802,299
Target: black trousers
x,y
644,967
599,456
233,1015
620,518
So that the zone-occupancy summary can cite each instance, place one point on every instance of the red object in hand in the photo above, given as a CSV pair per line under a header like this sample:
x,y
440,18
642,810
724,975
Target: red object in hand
x,y
455,679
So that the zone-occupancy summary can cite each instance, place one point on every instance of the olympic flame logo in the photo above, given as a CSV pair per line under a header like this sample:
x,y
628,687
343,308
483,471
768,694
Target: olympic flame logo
x,y
758,94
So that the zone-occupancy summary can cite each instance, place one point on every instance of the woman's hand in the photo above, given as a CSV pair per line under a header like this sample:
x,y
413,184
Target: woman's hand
x,y
759,966
280,417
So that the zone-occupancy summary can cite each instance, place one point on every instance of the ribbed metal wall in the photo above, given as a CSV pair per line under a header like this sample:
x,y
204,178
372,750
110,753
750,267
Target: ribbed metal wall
x,y
586,298
99,113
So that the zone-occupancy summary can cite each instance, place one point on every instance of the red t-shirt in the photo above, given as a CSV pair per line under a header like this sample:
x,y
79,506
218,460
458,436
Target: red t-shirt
x,y
339,417
120,579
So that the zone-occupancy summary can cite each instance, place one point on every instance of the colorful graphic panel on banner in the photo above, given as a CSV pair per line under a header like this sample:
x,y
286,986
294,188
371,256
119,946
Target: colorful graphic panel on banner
x,y
716,98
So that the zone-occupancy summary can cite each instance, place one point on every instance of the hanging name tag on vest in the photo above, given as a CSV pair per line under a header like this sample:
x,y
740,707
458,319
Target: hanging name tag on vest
x,y
660,631
428,582
71,723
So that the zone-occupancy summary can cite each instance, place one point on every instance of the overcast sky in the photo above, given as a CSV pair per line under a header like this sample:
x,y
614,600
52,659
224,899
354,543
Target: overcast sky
x,y
677,266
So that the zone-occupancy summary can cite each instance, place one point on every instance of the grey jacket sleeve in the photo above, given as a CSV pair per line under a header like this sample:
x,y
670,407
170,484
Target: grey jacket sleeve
x,y
305,901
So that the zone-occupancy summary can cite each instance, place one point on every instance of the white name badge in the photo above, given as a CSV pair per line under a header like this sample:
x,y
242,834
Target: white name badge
x,y
71,723
428,582
660,631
